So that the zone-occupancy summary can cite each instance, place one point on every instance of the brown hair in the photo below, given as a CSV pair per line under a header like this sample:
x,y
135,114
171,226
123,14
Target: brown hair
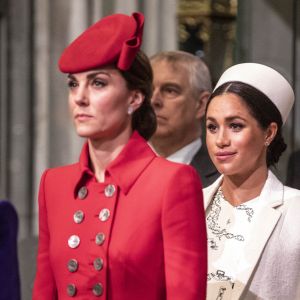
x,y
140,77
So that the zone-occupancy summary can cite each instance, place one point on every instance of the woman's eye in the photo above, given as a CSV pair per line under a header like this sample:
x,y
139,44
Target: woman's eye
x,y
236,126
211,127
72,84
98,83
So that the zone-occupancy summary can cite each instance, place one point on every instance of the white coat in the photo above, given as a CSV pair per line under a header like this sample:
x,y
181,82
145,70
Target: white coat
x,y
274,249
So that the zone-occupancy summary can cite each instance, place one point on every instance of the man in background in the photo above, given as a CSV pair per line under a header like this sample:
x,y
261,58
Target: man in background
x,y
182,86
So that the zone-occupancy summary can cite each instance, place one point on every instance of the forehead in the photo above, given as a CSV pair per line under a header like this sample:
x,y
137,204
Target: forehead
x,y
228,105
164,70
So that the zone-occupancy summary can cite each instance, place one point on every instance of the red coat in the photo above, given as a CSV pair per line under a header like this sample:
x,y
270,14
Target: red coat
x,y
151,241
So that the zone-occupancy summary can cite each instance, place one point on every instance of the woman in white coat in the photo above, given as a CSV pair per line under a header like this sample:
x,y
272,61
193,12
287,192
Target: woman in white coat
x,y
253,220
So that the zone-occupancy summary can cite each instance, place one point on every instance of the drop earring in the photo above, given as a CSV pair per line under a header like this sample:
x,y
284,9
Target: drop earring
x,y
130,110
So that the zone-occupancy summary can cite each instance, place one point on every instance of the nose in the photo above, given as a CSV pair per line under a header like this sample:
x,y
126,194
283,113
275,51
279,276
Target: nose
x,y
156,100
223,139
80,96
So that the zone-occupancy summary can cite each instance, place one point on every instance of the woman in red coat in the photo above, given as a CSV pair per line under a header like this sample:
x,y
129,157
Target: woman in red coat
x,y
121,223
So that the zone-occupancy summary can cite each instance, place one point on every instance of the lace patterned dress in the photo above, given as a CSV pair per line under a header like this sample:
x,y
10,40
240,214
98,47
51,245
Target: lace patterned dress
x,y
228,228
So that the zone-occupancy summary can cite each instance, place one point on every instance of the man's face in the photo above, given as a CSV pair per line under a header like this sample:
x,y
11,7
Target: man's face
x,y
173,101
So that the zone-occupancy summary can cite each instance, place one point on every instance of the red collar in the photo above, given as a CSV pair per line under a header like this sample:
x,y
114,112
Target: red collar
x,y
125,169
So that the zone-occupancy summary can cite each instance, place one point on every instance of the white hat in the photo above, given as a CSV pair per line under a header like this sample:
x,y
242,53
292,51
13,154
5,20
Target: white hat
x,y
266,80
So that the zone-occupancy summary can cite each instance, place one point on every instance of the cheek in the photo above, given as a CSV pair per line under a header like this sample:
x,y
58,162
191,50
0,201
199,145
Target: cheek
x,y
209,139
210,143
179,112
71,103
112,111
248,143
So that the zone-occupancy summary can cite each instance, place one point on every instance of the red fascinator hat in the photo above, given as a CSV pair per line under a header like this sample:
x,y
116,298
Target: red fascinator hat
x,y
115,39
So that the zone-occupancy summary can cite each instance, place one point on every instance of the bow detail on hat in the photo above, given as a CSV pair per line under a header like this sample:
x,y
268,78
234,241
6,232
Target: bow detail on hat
x,y
132,45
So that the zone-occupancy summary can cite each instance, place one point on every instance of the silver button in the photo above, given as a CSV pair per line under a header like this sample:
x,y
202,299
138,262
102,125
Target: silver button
x,y
73,241
98,264
82,193
71,290
72,265
104,214
98,289
78,216
100,238
109,190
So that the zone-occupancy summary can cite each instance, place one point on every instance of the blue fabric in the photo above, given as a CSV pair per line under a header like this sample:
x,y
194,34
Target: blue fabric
x,y
9,269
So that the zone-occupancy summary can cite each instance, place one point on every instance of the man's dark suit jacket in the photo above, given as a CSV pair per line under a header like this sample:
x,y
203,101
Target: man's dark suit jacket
x,y
293,171
204,166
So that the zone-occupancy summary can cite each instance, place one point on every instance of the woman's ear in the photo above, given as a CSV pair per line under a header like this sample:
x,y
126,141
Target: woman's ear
x,y
271,133
136,100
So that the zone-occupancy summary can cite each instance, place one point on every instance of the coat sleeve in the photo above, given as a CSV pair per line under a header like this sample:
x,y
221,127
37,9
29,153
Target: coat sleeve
x,y
184,235
44,284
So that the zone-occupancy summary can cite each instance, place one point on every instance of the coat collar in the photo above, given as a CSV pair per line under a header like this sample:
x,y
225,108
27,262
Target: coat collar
x,y
124,170
265,222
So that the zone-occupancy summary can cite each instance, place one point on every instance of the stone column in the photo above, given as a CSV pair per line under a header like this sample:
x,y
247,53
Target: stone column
x,y
265,35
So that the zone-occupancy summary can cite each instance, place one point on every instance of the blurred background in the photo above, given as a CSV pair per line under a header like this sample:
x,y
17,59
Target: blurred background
x,y
35,131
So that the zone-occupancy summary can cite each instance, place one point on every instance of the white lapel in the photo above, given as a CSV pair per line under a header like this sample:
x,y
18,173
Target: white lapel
x,y
272,195
265,222
209,192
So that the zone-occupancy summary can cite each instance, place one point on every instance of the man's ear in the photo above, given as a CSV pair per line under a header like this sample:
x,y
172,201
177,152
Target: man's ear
x,y
201,102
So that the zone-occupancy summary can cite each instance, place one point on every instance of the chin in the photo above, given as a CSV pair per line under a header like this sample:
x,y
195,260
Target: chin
x,y
160,133
225,170
84,133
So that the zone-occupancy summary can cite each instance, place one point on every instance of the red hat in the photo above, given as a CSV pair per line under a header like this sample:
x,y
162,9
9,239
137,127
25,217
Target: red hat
x,y
114,39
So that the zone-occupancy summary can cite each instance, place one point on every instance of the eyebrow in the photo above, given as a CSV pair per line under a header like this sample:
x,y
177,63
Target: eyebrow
x,y
228,119
91,75
170,83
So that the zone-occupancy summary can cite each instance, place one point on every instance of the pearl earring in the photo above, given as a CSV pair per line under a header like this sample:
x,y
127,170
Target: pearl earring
x,y
130,110
267,143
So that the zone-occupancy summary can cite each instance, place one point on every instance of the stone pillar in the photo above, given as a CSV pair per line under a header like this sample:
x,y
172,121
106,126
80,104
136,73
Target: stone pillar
x,y
125,6
20,111
265,35
160,26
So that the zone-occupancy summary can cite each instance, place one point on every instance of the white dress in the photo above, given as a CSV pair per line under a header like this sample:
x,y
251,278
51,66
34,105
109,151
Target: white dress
x,y
228,229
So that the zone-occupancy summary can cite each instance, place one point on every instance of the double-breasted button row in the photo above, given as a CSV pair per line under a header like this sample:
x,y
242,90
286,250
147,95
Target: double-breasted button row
x,y
74,240
73,264
109,191
97,289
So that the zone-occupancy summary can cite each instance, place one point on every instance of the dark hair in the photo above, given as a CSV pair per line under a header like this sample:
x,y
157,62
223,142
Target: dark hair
x,y
140,77
262,109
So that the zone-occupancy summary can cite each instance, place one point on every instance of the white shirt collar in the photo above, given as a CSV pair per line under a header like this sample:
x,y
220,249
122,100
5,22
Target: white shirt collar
x,y
186,154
